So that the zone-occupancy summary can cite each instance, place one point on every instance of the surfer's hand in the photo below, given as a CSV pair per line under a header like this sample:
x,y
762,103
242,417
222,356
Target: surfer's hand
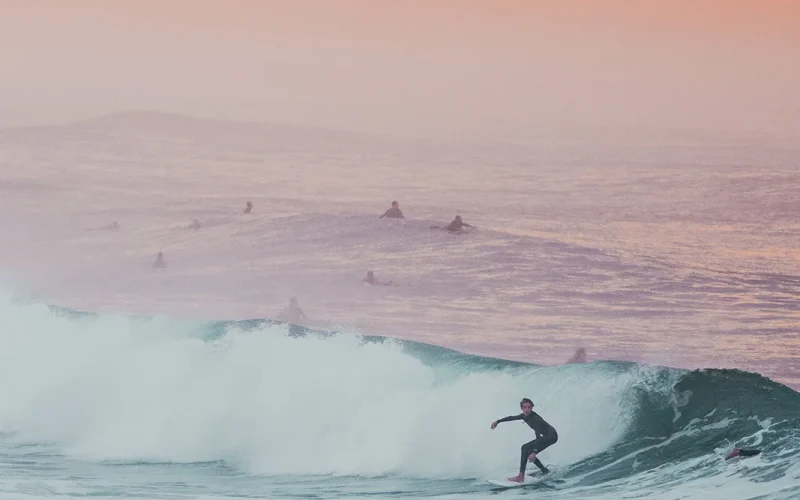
x,y
494,424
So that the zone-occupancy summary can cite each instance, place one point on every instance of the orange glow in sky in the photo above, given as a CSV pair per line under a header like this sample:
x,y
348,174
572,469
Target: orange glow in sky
x,y
506,68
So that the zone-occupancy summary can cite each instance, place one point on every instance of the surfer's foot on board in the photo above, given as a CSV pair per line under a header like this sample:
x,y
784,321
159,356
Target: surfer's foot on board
x,y
517,479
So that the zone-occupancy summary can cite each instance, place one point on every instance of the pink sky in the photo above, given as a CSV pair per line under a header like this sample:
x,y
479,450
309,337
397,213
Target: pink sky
x,y
434,67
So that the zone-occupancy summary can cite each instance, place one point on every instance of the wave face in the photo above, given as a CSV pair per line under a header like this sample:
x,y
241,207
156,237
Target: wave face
x,y
267,400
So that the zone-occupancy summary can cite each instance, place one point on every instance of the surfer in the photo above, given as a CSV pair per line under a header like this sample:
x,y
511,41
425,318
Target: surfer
x,y
457,225
578,357
370,279
393,213
248,207
160,262
292,313
546,435
740,452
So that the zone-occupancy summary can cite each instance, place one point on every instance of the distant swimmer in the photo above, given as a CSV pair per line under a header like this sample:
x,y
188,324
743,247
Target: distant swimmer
x,y
578,357
248,207
741,452
195,224
371,280
160,262
456,226
292,313
393,213
546,436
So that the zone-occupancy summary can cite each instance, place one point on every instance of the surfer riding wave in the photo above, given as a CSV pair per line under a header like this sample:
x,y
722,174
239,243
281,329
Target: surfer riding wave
x,y
546,436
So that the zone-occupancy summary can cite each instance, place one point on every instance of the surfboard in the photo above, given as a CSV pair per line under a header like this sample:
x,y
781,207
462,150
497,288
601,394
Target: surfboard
x,y
535,477
505,483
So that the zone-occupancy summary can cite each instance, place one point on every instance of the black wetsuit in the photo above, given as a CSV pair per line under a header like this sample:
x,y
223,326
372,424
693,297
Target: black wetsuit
x,y
741,452
393,213
456,225
749,453
546,435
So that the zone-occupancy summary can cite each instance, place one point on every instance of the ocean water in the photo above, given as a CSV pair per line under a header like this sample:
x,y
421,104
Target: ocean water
x,y
673,261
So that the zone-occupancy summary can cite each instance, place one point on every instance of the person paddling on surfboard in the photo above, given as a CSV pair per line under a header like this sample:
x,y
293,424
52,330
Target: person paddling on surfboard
x,y
546,435
457,225
741,452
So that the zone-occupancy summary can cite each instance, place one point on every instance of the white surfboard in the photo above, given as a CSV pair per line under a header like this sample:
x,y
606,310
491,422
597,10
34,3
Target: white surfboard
x,y
533,477
505,483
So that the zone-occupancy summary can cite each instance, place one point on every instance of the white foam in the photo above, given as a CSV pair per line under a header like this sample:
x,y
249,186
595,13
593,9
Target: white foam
x,y
115,388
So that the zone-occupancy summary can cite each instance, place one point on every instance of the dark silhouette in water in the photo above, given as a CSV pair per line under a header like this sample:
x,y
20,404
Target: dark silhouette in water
x,y
248,208
393,213
160,262
292,313
741,452
456,226
578,357
370,279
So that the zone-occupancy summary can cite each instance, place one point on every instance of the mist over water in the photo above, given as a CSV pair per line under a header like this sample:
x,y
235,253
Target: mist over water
x,y
688,261
630,170
112,388
464,70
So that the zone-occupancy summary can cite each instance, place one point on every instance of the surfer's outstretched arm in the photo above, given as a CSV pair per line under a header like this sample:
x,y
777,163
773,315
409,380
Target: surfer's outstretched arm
x,y
507,419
